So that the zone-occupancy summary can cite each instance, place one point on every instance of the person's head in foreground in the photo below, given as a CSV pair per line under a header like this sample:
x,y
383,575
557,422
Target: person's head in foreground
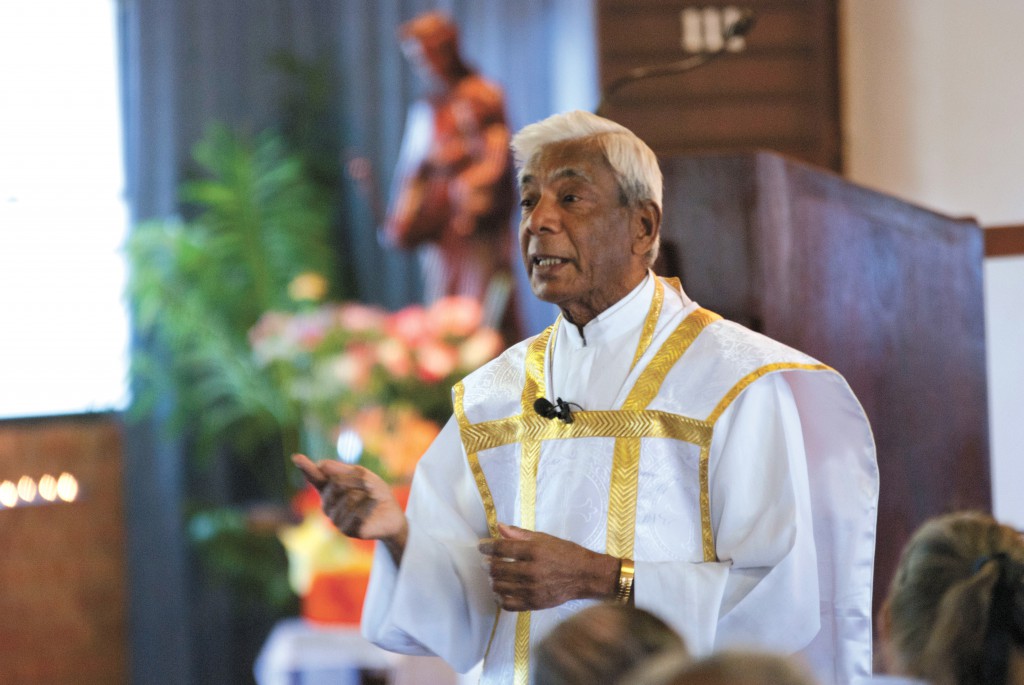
x,y
590,193
600,643
955,611
723,668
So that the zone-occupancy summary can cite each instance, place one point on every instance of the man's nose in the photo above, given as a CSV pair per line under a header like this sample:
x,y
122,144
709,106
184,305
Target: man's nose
x,y
544,217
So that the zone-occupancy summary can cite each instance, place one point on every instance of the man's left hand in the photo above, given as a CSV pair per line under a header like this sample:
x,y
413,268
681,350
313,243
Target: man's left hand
x,y
530,570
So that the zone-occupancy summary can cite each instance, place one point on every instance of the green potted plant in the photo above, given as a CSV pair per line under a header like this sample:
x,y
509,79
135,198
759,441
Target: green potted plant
x,y
196,287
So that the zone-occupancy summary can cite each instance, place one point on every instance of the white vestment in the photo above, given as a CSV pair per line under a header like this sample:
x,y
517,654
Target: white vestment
x,y
742,477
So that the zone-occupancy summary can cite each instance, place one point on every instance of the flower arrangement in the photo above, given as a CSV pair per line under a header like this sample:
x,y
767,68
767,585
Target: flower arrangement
x,y
382,378
372,387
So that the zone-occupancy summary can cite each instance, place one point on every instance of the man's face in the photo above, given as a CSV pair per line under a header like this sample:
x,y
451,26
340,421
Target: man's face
x,y
579,240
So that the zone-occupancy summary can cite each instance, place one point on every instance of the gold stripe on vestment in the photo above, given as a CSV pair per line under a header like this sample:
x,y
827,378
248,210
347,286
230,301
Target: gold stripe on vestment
x,y
458,399
650,323
649,383
753,376
535,353
716,413
529,460
707,537
614,423
624,487
521,672
473,457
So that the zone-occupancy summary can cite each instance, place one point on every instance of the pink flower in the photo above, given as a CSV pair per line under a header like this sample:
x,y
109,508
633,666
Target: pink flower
x,y
307,331
395,357
267,337
409,324
352,368
435,360
479,348
360,318
455,316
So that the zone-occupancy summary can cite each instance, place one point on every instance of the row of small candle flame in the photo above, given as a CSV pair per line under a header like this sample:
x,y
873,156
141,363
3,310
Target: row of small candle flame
x,y
49,489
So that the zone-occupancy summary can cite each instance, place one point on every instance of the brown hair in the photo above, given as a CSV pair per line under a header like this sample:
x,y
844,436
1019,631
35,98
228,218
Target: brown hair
x,y
955,610
738,667
600,643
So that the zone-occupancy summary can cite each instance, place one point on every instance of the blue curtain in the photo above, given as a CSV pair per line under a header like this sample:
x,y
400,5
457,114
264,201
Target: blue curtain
x,y
187,63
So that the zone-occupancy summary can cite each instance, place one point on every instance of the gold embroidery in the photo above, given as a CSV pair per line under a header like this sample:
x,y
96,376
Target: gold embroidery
x,y
535,353
647,386
753,376
622,493
651,322
625,485
458,398
723,404
473,457
529,461
458,404
586,424
707,537
521,665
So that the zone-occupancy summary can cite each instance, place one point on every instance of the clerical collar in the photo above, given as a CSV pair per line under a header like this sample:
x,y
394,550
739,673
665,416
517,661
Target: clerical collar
x,y
619,319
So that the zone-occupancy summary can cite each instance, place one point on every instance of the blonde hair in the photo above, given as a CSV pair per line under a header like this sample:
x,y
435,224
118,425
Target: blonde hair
x,y
634,163
956,603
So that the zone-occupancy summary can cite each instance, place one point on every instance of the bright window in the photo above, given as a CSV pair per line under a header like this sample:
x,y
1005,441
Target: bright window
x,y
63,325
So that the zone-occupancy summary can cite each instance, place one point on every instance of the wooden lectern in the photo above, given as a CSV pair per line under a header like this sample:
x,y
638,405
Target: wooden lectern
x,y
885,292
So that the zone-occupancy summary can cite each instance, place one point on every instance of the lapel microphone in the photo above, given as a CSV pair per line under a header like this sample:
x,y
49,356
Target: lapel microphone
x,y
558,410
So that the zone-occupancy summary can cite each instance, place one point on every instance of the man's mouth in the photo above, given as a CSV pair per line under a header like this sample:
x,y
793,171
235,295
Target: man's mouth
x,y
549,261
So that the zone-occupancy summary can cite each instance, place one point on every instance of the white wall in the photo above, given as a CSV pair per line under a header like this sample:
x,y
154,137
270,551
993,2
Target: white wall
x,y
933,110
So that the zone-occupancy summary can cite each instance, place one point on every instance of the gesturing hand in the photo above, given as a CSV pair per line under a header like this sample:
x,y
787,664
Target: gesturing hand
x,y
530,570
358,502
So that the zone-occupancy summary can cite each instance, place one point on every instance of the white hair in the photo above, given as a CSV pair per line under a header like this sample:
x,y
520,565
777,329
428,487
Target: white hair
x,y
634,163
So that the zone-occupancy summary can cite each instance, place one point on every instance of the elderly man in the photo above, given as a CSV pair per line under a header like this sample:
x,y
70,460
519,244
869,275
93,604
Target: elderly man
x,y
641,449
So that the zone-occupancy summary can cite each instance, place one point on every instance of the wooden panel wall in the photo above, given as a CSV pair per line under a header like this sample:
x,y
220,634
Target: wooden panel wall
x,y
887,293
780,93
1002,241
62,571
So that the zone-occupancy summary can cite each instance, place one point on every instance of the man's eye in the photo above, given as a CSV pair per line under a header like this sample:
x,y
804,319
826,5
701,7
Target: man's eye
x,y
569,197
527,202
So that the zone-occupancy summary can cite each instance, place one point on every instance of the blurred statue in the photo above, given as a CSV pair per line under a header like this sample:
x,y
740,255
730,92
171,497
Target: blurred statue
x,y
453,189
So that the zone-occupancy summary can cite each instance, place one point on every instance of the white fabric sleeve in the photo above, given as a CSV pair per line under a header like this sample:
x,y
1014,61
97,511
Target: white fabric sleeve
x,y
763,590
438,601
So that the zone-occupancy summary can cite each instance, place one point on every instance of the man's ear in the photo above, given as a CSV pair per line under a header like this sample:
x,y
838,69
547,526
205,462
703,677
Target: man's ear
x,y
647,225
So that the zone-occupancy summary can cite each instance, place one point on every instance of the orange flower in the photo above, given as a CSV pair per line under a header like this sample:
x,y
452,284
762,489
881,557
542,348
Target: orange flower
x,y
406,442
372,426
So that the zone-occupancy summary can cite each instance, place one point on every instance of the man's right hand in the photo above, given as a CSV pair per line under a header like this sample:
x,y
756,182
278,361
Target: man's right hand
x,y
358,502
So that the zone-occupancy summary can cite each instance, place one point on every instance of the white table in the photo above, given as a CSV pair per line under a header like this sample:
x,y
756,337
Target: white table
x,y
299,652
